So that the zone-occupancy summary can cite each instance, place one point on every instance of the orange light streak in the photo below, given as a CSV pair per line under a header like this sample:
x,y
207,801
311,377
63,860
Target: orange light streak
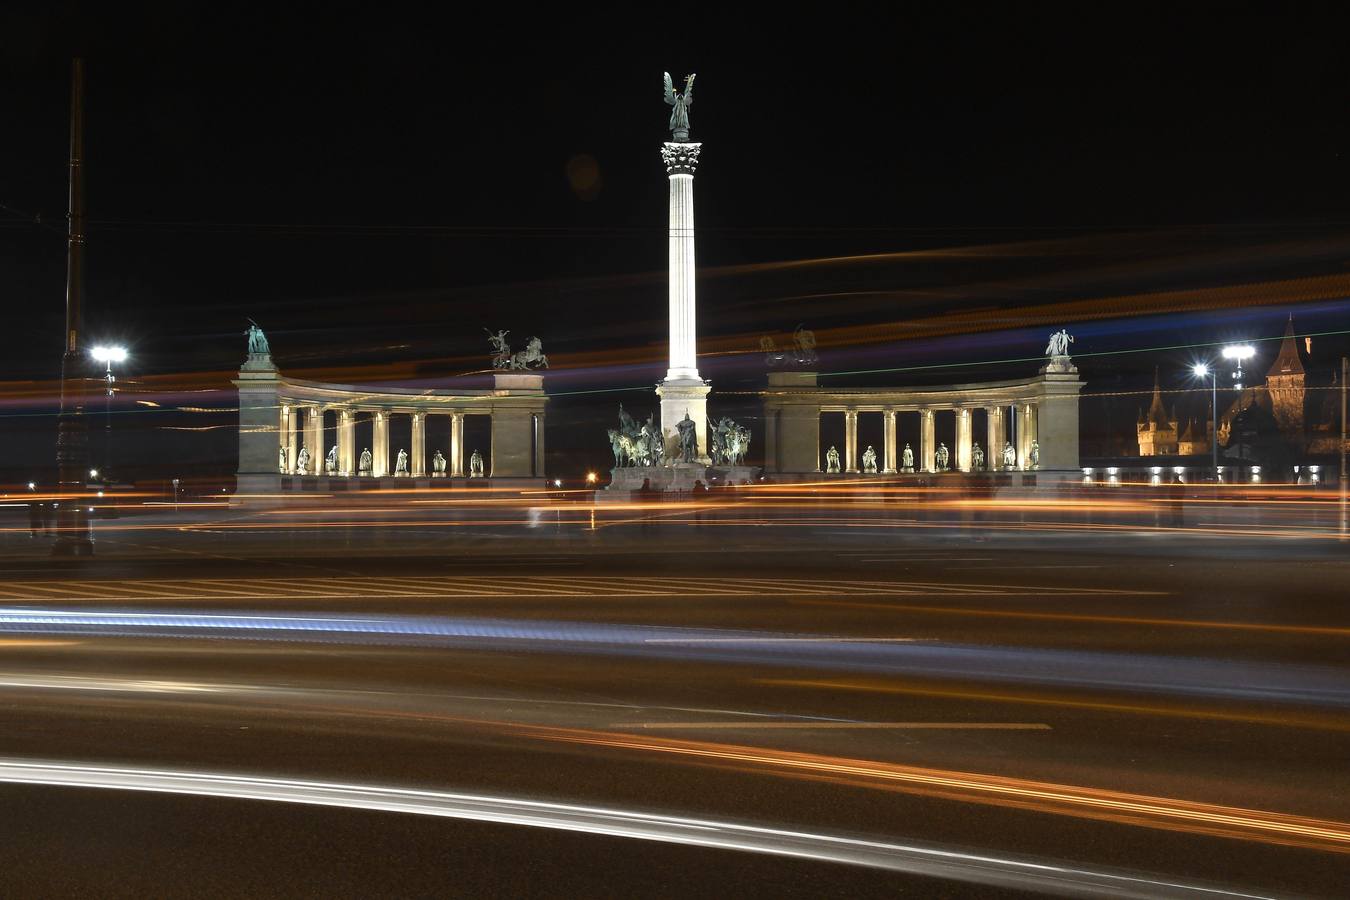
x,y
1079,617
1284,720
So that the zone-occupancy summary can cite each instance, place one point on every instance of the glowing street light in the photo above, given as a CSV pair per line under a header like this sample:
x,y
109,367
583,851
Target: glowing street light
x,y
108,354
1202,371
1238,353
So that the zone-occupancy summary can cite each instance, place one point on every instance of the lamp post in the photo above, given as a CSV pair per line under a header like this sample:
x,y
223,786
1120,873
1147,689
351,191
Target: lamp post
x,y
74,537
1202,370
108,355
1238,353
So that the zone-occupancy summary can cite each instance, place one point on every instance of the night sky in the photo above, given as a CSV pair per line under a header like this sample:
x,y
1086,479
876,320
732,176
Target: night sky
x,y
376,187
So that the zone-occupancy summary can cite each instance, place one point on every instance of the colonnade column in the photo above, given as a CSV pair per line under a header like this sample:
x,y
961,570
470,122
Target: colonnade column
x,y
994,426
851,440
457,445
889,440
346,441
419,444
292,438
379,462
314,419
1028,433
963,439
283,438
539,445
927,443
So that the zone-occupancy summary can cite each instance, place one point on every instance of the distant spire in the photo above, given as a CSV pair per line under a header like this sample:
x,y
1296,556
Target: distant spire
x,y
1157,413
1288,361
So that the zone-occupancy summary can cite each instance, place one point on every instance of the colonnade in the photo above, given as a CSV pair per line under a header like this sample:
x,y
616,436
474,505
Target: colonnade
x,y
1042,409
1021,417
302,426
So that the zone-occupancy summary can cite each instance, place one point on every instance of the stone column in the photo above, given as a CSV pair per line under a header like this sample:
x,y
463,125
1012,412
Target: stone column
x,y
314,438
379,454
1056,421
512,433
772,422
683,392
539,471
889,440
993,453
1023,413
799,438
417,466
259,440
963,439
927,444
1028,432
681,160
284,439
293,426
851,440
346,441
457,444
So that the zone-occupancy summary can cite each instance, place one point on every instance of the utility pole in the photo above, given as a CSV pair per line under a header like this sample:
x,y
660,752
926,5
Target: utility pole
x,y
1214,423
73,537
1345,372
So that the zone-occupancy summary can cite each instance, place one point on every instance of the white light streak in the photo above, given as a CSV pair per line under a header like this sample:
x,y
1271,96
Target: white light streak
x,y
1001,871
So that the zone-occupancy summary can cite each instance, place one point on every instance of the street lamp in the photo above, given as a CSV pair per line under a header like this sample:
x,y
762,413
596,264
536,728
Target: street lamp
x,y
1201,370
1238,352
108,355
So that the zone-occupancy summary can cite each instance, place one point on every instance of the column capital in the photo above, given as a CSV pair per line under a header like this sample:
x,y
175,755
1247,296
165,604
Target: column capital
x,y
681,158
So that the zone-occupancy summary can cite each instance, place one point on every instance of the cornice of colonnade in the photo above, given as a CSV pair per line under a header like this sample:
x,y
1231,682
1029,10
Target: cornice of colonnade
x,y
431,401
970,395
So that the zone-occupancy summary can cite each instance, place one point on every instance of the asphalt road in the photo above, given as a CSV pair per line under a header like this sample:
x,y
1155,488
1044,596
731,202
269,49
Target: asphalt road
x,y
670,708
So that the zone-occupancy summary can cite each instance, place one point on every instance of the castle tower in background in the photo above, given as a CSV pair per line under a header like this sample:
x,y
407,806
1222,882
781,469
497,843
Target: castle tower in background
x,y
1285,383
1157,431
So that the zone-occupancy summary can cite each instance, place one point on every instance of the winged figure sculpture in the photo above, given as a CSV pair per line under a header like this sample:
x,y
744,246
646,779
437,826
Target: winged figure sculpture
x,y
680,103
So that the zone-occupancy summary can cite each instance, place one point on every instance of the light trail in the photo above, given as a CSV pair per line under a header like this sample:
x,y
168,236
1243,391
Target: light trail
x,y
1134,672
1165,813
1078,801
1325,631
1279,720
193,590
1006,872
837,726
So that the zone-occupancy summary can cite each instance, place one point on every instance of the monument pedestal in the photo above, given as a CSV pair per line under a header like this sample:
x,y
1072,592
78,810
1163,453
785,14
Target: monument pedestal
x,y
636,482
680,397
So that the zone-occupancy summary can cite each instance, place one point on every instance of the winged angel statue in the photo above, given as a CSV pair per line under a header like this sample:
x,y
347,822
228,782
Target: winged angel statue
x,y
680,103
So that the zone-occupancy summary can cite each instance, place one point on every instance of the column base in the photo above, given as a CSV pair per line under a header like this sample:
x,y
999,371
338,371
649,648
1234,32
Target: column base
x,y
677,398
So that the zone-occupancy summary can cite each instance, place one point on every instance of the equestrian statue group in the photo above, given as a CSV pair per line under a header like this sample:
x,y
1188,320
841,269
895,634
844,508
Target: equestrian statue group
x,y
634,444
639,445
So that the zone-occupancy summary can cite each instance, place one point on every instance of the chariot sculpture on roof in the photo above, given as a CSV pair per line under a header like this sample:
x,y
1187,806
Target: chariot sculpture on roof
x,y
532,357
